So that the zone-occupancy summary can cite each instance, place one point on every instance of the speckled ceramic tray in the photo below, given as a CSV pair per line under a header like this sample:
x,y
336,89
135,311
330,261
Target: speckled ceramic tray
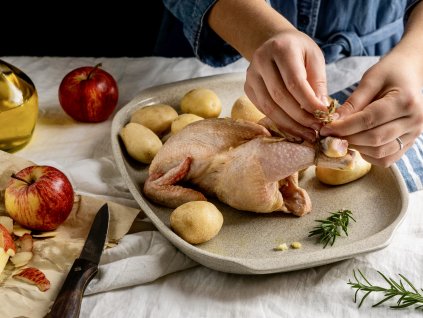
x,y
246,241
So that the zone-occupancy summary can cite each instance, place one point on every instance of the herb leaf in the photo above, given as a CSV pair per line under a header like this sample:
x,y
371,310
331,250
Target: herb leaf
x,y
407,296
327,116
328,230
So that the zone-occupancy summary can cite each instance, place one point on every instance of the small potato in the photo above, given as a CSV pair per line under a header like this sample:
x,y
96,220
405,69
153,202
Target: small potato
x,y
202,102
337,177
141,143
183,120
243,108
197,221
157,117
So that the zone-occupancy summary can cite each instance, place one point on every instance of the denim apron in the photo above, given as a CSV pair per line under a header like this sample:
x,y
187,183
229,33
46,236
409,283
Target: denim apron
x,y
340,27
342,44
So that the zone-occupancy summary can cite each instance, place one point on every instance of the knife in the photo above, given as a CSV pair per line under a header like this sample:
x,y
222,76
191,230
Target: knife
x,y
68,301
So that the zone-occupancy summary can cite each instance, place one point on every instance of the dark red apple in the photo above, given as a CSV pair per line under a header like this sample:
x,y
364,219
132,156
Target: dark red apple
x,y
39,197
88,94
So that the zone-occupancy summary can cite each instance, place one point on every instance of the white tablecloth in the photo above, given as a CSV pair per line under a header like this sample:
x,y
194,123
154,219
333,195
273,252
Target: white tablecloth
x,y
145,276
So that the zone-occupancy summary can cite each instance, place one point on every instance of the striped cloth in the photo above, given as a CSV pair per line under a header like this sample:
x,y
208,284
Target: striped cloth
x,y
411,163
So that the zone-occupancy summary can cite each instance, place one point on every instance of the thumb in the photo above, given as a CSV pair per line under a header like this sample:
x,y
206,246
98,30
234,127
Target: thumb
x,y
362,96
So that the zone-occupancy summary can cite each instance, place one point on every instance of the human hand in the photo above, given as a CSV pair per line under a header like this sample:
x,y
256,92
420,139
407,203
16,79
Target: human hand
x,y
286,80
387,104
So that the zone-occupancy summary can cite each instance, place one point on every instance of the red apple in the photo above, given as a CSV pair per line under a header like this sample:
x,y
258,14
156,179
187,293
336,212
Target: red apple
x,y
88,94
39,197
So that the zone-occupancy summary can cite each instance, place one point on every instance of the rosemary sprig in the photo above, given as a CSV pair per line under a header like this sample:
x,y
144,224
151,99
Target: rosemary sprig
x,y
327,117
395,289
328,230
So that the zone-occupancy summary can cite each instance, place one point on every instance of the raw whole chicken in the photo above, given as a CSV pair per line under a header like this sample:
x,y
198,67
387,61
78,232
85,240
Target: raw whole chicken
x,y
239,162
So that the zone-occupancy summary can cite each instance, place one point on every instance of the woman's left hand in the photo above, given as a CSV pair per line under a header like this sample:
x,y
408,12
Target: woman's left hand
x,y
387,105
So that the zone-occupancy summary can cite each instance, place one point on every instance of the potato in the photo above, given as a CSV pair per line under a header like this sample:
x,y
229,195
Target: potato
x,y
183,120
337,177
197,221
243,108
156,117
202,102
141,143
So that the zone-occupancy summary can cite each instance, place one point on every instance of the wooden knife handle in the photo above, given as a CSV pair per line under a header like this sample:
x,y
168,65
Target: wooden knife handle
x,y
68,301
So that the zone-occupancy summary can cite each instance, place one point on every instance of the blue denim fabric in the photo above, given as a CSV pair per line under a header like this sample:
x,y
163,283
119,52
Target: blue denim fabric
x,y
340,27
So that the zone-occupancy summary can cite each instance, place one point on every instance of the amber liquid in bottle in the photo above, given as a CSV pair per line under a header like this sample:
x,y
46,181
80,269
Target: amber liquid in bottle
x,y
18,108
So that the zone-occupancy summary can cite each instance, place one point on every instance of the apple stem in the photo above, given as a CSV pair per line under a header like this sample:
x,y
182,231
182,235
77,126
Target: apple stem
x,y
93,70
20,179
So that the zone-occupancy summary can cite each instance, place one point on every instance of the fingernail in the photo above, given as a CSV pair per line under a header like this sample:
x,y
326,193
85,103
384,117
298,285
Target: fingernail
x,y
324,99
325,131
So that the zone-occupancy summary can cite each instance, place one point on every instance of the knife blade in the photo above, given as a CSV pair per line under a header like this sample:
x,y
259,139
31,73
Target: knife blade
x,y
83,270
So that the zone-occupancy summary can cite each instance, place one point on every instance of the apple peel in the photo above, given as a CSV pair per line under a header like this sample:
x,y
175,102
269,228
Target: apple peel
x,y
7,222
34,276
21,259
6,241
24,243
7,247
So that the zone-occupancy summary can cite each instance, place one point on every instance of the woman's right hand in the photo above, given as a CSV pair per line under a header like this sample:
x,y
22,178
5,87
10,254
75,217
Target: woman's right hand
x,y
286,80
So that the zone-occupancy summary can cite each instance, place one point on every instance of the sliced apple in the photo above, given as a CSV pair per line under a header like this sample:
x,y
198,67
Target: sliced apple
x,y
24,243
7,247
34,276
110,244
7,222
45,234
21,259
4,257
19,230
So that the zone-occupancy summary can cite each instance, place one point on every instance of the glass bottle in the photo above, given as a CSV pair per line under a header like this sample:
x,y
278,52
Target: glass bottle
x,y
18,108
